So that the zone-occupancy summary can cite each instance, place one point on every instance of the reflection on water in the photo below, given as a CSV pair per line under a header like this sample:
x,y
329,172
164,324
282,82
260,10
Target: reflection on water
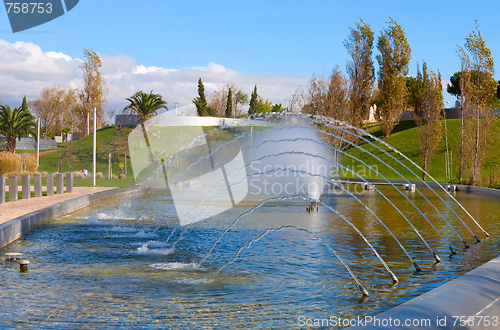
x,y
115,265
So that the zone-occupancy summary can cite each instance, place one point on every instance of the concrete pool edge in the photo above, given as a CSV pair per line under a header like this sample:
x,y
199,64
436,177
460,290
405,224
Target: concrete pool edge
x,y
16,228
475,294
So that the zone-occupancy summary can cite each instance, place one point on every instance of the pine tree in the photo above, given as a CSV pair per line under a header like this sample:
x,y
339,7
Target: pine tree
x,y
253,102
229,106
201,101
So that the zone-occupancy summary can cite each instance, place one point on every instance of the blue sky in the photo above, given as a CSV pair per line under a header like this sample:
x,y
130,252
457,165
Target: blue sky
x,y
277,45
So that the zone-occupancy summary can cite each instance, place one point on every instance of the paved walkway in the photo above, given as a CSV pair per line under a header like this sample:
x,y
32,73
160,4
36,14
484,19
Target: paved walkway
x,y
12,210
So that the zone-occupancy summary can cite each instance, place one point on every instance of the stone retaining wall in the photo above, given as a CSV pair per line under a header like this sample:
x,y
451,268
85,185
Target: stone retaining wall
x,y
15,229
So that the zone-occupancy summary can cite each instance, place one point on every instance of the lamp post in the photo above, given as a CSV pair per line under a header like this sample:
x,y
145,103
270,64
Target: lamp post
x,y
95,135
447,161
38,145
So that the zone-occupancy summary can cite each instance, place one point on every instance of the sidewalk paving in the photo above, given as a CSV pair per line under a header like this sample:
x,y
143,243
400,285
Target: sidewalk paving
x,y
12,210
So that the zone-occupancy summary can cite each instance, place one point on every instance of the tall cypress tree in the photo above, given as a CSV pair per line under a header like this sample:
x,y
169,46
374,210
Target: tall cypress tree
x,y
253,102
24,105
229,106
201,101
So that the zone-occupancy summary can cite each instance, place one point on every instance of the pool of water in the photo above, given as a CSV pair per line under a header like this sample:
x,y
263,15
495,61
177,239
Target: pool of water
x,y
126,263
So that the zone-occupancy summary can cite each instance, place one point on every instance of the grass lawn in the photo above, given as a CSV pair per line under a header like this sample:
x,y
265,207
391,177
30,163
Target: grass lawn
x,y
83,152
404,138
20,195
83,158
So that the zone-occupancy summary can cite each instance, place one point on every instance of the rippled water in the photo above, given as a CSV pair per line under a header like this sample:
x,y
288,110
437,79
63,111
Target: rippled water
x,y
116,265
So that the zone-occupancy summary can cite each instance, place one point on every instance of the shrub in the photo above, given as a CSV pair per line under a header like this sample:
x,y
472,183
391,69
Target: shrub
x,y
78,175
11,163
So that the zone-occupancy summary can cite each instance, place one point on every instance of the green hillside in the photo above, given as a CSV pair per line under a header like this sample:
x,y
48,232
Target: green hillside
x,y
83,153
404,138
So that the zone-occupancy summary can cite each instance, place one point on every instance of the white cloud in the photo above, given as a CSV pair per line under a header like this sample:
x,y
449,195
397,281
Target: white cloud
x,y
25,70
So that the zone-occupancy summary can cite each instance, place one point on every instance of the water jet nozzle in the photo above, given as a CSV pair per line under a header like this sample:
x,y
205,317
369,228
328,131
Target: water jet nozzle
x,y
477,239
363,290
466,246
394,278
452,251
438,260
417,267
23,265
487,235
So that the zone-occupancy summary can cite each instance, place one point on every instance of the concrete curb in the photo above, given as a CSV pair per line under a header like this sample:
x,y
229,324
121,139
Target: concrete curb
x,y
16,228
475,295
460,187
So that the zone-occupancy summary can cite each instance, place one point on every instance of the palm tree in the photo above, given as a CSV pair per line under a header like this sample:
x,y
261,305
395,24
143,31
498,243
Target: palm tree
x,y
145,106
16,123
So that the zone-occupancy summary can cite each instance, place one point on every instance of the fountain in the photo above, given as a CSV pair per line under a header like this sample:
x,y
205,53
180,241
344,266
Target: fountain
x,y
247,223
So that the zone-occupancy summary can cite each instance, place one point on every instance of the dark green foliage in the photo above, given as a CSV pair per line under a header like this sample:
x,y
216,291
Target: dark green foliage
x,y
212,112
229,105
253,109
201,101
24,106
16,123
145,105
453,88
278,107
410,84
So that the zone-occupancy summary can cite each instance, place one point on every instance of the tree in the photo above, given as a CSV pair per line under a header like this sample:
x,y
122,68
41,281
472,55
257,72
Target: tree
x,y
229,106
24,105
477,90
94,91
68,156
453,88
240,99
145,106
201,101
395,54
329,97
253,102
54,106
296,103
410,84
427,103
217,101
16,123
361,71
118,144
278,107
65,131
263,106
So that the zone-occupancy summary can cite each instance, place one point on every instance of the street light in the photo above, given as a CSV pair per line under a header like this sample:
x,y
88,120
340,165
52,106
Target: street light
x,y
447,160
95,115
38,145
